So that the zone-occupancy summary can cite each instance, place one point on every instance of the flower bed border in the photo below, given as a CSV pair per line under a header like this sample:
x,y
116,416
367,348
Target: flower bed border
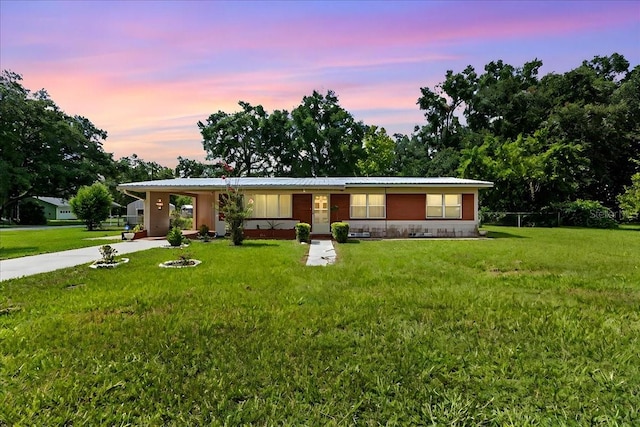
x,y
196,262
102,264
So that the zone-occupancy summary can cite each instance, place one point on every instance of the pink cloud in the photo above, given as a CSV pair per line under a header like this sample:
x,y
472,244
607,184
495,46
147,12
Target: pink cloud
x,y
147,72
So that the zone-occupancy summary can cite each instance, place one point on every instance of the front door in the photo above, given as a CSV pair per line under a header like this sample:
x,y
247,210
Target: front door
x,y
321,214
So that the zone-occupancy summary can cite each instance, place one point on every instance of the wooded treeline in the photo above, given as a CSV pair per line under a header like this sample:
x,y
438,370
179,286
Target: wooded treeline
x,y
542,140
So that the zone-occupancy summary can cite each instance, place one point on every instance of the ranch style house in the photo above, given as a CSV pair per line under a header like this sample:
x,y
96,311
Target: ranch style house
x,y
390,207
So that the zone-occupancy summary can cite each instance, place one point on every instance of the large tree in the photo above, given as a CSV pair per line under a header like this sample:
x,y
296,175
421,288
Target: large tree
x,y
133,169
555,138
380,153
327,137
44,151
188,168
236,139
318,138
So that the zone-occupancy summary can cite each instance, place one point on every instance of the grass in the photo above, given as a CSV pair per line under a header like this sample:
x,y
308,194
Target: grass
x,y
534,327
19,243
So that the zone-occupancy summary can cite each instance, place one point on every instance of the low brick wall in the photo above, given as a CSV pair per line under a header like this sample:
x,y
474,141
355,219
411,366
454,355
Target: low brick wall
x,y
289,234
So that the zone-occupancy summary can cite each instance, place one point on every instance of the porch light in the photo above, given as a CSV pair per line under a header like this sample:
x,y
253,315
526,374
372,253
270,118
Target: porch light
x,y
159,204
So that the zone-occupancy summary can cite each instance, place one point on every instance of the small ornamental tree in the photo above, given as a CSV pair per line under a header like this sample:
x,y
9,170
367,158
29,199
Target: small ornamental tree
x,y
234,209
92,205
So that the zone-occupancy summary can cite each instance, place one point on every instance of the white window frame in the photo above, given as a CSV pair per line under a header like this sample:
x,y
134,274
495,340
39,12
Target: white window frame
x,y
368,206
280,214
443,206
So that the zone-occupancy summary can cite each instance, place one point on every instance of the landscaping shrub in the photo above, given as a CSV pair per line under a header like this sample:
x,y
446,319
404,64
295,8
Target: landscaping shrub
x,y
203,230
175,237
340,231
630,199
587,213
92,205
32,213
303,232
203,233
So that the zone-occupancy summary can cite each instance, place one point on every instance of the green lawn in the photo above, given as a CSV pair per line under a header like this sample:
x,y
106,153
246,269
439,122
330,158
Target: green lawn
x,y
18,243
533,327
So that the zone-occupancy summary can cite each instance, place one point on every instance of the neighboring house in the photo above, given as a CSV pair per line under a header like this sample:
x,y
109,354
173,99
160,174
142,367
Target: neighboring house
x,y
135,212
375,207
55,208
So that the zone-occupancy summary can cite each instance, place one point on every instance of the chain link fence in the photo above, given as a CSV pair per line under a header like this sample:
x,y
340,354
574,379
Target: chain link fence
x,y
522,219
555,218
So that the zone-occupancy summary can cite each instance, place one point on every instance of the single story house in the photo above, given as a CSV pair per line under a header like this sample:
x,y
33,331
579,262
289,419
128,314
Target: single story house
x,y
374,206
55,208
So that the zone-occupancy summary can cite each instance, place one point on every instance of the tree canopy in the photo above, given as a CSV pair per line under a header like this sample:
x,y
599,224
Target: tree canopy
x,y
318,138
543,140
44,151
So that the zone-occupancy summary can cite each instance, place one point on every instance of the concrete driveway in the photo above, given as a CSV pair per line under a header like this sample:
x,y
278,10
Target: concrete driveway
x,y
44,263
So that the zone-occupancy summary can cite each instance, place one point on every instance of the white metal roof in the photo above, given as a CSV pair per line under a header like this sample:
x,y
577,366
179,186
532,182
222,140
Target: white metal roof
x,y
55,201
339,183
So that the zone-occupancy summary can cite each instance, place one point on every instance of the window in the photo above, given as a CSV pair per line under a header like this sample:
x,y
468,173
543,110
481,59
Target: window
x,y
444,205
367,206
270,205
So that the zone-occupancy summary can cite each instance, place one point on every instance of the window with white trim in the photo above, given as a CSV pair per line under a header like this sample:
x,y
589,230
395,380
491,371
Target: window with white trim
x,y
269,205
368,206
444,206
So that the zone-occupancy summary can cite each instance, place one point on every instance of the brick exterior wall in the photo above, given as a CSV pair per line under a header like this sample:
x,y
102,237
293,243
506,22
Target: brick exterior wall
x,y
408,207
468,207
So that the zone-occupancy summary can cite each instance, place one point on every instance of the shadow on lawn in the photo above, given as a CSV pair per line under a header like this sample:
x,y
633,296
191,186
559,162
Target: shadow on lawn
x,y
9,252
502,235
256,244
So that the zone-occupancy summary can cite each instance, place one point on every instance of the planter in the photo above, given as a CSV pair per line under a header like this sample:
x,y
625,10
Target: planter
x,y
176,263
130,235
102,264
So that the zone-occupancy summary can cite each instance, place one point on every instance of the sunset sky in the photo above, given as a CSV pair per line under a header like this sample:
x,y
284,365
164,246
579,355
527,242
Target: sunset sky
x,y
147,72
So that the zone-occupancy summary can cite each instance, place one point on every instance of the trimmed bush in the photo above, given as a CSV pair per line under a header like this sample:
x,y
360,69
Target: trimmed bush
x,y
92,205
204,230
340,231
303,232
587,213
175,237
203,233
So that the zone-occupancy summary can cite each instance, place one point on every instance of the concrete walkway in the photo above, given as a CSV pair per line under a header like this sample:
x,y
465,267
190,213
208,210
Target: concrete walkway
x,y
44,263
321,252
